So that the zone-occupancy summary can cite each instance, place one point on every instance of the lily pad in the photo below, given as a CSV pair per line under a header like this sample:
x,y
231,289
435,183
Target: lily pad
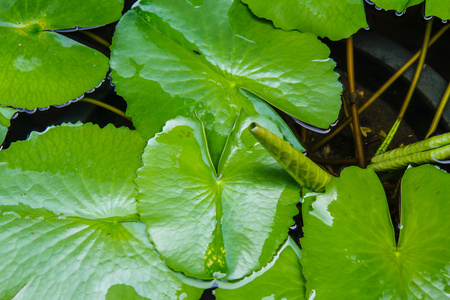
x,y
209,223
69,227
41,67
398,5
171,58
6,114
281,279
333,19
349,248
438,8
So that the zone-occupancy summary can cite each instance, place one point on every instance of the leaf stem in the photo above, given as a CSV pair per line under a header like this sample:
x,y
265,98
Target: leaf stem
x,y
354,111
96,38
439,112
300,167
106,106
379,92
412,88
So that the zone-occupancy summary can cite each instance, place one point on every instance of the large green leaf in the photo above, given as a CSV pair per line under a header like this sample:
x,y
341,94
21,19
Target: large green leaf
x,y
281,279
349,248
170,58
214,224
438,8
69,226
40,67
333,19
398,5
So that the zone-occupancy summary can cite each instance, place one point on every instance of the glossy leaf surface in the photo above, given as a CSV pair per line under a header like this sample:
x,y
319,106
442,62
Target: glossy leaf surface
x,y
207,223
40,67
68,226
170,58
281,279
438,8
398,5
333,19
349,248
59,14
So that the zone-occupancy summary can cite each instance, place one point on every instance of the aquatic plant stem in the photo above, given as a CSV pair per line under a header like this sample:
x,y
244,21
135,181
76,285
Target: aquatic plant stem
x,y
387,141
106,106
96,38
354,111
300,167
378,93
439,112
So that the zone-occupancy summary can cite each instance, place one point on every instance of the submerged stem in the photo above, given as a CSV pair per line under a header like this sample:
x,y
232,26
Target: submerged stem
x,y
439,112
106,106
354,111
380,91
411,90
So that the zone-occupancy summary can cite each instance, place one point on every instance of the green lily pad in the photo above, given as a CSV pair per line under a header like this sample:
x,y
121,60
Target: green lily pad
x,y
349,249
281,279
214,224
438,8
171,58
6,114
41,67
68,224
333,19
398,5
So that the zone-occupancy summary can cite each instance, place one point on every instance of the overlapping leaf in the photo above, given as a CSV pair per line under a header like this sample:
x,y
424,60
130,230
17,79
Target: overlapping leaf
x,y
333,19
40,67
170,58
349,248
207,223
69,226
282,279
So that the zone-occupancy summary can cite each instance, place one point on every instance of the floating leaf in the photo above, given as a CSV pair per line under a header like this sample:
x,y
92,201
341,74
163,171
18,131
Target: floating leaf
x,y
349,249
333,19
6,114
282,279
207,223
68,226
438,8
170,58
41,67
398,5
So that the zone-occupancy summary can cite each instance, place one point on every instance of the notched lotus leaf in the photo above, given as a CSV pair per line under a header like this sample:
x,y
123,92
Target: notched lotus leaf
x,y
281,279
349,250
170,58
333,19
214,224
68,221
40,67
